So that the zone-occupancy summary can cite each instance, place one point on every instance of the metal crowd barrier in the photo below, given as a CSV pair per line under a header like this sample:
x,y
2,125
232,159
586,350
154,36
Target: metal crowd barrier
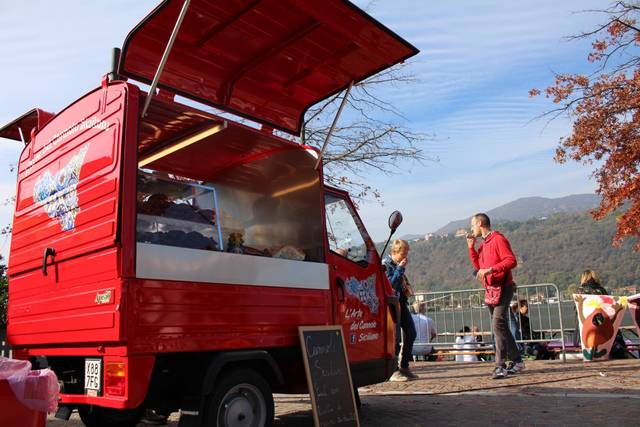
x,y
452,310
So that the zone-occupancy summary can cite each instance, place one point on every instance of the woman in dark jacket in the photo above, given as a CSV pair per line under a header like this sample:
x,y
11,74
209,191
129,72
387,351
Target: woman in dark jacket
x,y
590,284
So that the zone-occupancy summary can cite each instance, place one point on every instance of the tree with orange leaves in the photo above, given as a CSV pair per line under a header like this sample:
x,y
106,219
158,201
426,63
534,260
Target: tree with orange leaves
x,y
605,109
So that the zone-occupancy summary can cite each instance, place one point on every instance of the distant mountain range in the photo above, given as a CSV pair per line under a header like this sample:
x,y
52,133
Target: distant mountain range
x,y
531,207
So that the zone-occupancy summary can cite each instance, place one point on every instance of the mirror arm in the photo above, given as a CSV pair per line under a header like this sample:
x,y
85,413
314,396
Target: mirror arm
x,y
393,230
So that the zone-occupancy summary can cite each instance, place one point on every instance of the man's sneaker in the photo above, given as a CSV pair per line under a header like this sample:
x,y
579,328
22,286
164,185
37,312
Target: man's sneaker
x,y
407,372
399,376
498,373
515,368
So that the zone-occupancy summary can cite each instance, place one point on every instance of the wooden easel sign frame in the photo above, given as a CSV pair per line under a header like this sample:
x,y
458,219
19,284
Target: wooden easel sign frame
x,y
328,376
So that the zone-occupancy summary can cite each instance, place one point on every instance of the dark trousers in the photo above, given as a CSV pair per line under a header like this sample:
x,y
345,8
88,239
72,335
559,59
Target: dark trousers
x,y
407,330
505,344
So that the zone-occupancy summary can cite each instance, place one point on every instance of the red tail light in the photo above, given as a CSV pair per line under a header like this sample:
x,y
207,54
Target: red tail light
x,y
114,378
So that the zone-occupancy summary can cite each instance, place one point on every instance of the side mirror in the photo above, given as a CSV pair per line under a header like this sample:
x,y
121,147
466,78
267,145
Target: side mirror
x,y
395,219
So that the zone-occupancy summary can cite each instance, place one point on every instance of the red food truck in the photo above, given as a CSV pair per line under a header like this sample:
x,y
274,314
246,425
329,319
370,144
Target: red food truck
x,y
163,255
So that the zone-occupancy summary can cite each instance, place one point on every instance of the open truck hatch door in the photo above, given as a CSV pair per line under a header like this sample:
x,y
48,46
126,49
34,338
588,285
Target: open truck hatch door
x,y
267,60
20,128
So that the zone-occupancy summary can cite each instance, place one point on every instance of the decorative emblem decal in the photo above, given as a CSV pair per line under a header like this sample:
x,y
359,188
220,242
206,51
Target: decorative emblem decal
x,y
365,291
58,192
103,297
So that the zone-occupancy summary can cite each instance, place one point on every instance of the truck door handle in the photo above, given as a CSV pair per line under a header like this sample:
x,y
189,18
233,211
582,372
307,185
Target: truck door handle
x,y
48,252
340,287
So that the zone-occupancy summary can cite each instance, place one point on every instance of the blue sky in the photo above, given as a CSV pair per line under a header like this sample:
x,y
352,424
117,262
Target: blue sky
x,y
477,63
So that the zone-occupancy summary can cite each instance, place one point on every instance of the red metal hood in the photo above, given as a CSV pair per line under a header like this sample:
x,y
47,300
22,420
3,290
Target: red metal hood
x,y
267,60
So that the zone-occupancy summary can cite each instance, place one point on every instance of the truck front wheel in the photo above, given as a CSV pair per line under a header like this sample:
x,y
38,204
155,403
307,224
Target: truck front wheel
x,y
97,416
242,398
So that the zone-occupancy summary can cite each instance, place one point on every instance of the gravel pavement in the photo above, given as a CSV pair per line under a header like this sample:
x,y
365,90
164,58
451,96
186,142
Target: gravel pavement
x,y
548,393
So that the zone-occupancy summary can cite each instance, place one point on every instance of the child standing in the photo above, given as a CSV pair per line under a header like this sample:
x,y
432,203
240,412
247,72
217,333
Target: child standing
x,y
395,266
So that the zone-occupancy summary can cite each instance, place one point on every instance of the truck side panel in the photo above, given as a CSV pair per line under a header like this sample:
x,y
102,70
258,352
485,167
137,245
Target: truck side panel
x,y
68,202
71,313
67,194
181,316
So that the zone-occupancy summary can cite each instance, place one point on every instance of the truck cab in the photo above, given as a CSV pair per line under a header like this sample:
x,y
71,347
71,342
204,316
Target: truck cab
x,y
167,243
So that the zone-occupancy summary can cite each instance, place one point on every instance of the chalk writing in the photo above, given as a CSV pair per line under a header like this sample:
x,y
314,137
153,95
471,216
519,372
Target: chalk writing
x,y
328,374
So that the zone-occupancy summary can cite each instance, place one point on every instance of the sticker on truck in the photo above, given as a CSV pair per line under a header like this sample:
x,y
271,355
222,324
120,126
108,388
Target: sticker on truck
x,y
365,291
57,192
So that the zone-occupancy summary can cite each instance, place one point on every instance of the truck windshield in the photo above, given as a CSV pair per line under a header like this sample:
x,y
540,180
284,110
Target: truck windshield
x,y
343,233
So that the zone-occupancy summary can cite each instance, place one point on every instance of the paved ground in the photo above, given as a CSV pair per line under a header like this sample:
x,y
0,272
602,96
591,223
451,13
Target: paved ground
x,y
548,393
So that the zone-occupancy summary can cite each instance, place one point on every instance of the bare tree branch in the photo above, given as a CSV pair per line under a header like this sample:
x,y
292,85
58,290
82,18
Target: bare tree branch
x,y
372,134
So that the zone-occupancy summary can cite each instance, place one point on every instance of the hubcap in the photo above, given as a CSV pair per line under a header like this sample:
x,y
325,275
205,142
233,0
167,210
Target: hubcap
x,y
242,406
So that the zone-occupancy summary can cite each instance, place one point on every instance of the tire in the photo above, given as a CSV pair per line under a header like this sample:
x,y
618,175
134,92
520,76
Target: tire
x,y
97,416
242,398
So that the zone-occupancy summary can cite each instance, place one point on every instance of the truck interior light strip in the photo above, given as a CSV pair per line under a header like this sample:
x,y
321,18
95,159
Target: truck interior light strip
x,y
313,153
295,188
180,145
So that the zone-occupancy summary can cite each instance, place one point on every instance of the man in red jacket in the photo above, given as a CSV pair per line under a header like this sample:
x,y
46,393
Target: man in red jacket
x,y
492,263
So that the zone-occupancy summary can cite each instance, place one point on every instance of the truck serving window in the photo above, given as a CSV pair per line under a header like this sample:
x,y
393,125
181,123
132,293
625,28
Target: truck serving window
x,y
266,206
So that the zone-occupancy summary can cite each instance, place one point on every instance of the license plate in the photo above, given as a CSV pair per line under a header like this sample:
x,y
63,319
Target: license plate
x,y
92,376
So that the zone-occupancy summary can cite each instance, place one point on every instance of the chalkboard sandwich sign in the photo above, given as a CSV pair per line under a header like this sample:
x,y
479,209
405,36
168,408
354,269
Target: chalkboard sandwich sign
x,y
328,376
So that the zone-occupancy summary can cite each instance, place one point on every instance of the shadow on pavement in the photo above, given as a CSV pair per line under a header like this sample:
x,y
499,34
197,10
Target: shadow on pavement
x,y
489,409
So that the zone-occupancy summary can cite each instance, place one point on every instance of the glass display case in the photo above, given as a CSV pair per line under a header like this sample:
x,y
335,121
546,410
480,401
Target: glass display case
x,y
175,211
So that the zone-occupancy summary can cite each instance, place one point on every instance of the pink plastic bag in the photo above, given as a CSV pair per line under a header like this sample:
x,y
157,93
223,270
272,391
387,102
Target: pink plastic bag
x,y
37,390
